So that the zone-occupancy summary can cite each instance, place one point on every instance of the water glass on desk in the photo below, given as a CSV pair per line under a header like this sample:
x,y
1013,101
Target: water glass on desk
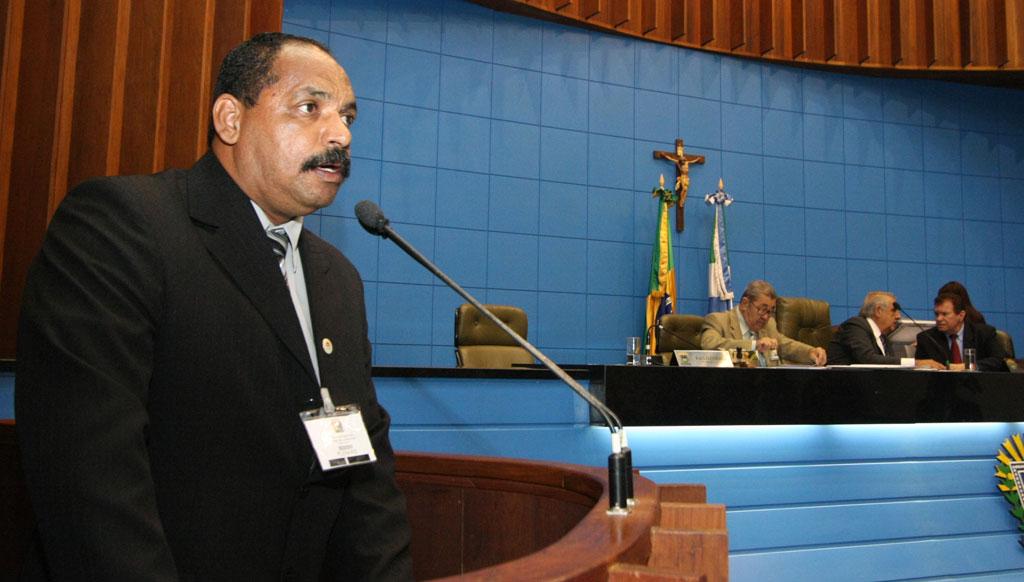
x,y
970,359
633,349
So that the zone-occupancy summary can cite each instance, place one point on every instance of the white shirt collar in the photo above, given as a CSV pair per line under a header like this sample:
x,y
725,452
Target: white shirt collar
x,y
744,329
877,332
293,227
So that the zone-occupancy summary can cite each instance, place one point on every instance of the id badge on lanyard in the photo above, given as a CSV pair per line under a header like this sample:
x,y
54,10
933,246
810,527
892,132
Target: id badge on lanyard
x,y
338,434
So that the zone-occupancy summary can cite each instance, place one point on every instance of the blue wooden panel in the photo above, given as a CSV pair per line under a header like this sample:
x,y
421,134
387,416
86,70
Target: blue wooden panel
x,y
787,527
516,95
657,67
903,146
781,88
783,133
517,41
823,138
741,81
863,142
6,395
468,29
758,486
458,401
657,448
862,97
888,561
742,128
465,86
612,59
412,24
413,77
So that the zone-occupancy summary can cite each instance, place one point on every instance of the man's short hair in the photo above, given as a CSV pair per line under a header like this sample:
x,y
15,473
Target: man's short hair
x,y
248,69
759,288
875,299
956,300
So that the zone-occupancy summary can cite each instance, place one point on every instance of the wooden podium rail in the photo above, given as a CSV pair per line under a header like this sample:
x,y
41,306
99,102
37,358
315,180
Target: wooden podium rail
x,y
487,518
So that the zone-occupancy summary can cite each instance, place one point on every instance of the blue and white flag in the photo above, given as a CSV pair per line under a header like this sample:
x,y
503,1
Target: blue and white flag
x,y
720,293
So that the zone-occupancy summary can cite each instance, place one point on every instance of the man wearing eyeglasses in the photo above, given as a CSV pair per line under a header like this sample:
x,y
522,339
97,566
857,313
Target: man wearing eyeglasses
x,y
863,339
751,326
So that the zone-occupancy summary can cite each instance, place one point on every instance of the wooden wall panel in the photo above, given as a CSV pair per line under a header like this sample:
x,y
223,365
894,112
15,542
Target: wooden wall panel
x,y
108,87
191,47
987,33
1015,34
952,47
31,164
949,39
648,16
851,31
700,22
146,88
883,32
93,55
759,37
11,18
819,30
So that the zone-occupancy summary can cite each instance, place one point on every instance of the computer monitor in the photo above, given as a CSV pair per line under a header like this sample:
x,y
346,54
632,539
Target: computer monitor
x,y
906,334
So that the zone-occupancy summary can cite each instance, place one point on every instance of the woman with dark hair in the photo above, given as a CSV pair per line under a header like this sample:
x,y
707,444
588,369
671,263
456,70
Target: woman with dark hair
x,y
957,288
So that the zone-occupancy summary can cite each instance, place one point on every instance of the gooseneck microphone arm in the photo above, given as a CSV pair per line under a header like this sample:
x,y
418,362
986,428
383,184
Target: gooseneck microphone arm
x,y
918,326
372,218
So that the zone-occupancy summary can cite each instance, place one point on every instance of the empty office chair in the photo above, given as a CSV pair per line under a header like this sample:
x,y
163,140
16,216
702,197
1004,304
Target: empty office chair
x,y
806,320
678,332
479,343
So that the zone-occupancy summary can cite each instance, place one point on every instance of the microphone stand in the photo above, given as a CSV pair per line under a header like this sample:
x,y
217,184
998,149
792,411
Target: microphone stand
x,y
918,326
620,461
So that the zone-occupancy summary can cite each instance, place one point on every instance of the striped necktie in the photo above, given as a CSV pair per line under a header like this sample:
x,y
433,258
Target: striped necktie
x,y
279,237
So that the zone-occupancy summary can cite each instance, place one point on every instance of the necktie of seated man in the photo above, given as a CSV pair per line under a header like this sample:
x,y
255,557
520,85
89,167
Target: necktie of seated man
x,y
954,350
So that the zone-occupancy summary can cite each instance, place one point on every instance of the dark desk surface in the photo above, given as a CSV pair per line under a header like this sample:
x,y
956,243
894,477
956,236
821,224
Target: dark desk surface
x,y
671,396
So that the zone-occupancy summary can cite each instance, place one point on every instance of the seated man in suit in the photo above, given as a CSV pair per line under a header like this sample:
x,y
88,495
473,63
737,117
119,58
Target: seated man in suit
x,y
751,326
945,343
864,339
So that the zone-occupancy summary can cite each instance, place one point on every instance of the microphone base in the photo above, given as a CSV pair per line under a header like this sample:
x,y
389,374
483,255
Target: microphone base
x,y
618,484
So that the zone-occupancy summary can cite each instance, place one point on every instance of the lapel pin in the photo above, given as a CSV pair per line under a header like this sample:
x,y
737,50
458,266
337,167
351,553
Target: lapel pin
x,y
327,345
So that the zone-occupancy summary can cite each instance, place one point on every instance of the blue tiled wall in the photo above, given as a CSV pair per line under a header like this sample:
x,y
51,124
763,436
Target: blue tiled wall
x,y
517,155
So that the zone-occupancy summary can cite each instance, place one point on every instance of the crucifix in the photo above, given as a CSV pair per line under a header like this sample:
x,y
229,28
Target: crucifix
x,y
682,162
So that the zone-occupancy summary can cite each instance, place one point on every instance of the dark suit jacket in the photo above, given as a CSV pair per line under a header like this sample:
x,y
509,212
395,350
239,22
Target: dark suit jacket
x,y
934,345
161,372
854,343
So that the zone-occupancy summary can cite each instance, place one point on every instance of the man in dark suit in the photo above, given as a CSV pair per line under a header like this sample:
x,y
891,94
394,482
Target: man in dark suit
x,y
943,346
863,339
168,345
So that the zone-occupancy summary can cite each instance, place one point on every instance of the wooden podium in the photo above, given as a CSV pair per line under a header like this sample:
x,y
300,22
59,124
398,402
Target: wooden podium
x,y
487,518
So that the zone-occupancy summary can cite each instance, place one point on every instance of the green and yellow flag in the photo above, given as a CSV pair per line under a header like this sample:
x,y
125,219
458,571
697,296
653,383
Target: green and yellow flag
x,y
661,299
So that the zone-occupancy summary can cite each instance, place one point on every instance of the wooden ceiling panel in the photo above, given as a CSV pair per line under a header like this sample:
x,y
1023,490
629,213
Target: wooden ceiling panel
x,y
968,40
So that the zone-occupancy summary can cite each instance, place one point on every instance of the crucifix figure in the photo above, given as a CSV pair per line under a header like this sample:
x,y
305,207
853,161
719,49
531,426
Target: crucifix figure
x,y
682,162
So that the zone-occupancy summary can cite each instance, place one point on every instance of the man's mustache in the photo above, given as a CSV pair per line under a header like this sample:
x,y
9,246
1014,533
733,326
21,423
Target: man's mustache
x,y
332,157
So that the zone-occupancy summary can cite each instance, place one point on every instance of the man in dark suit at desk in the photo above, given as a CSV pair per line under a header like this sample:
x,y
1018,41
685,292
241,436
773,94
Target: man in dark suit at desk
x,y
943,346
174,327
863,339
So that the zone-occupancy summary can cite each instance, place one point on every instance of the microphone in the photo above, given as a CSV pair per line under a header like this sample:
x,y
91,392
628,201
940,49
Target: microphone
x,y
918,325
620,461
